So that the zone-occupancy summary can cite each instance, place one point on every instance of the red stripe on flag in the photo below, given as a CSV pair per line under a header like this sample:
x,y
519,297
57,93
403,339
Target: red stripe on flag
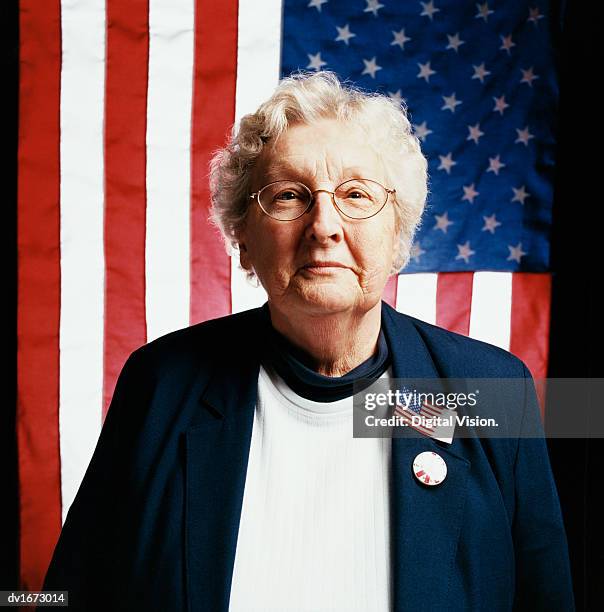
x,y
125,185
529,338
39,278
454,300
215,78
409,420
430,411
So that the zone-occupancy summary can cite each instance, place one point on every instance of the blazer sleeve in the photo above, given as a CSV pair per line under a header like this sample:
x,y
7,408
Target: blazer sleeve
x,y
543,578
86,559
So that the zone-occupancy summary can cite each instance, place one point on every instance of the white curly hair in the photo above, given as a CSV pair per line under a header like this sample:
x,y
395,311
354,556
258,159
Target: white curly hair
x,y
304,97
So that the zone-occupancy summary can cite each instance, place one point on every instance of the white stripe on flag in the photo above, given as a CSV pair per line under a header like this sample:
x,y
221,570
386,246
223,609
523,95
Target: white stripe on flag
x,y
491,315
82,258
171,37
258,69
258,54
416,295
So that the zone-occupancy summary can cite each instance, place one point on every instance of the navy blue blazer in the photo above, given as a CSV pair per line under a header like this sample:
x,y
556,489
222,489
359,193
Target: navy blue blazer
x,y
154,524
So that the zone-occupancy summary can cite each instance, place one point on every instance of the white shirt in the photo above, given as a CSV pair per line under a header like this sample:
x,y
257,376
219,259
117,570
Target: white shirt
x,y
315,523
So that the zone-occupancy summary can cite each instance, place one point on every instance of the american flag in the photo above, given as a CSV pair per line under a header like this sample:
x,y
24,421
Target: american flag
x,y
122,105
428,414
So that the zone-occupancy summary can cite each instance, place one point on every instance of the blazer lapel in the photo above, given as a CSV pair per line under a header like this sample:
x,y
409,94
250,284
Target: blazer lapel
x,y
217,450
425,521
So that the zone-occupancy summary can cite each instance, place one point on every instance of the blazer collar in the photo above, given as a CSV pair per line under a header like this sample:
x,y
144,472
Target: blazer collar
x,y
425,521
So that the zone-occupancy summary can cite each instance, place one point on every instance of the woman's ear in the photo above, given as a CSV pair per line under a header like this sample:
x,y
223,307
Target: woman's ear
x,y
244,257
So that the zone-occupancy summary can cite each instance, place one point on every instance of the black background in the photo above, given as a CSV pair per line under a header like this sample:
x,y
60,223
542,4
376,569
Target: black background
x,y
578,464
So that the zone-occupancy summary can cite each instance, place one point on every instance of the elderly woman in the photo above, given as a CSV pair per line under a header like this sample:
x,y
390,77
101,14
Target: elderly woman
x,y
227,477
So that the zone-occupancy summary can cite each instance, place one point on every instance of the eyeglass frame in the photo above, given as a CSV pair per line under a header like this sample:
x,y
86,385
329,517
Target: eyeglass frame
x,y
256,195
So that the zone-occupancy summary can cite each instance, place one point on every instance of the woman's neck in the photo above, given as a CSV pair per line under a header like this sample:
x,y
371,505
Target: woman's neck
x,y
335,343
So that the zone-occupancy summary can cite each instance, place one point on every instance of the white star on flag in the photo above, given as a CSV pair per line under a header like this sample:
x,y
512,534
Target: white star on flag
x,y
428,9
515,252
535,15
469,193
528,77
465,252
315,61
425,72
523,136
421,130
397,96
480,72
317,4
373,6
454,42
475,133
371,67
495,165
483,11
344,34
507,44
450,103
442,222
519,195
500,105
400,39
446,162
490,223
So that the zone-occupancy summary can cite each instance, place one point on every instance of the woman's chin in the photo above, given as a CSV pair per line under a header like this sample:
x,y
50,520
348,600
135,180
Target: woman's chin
x,y
328,297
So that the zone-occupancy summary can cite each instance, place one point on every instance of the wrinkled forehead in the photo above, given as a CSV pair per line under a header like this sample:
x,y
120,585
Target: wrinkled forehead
x,y
326,150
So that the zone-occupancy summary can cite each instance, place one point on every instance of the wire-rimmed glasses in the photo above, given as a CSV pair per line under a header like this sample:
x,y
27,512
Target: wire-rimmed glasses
x,y
354,198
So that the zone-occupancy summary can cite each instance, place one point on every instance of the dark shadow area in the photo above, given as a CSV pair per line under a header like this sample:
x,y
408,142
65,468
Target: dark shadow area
x,y
578,464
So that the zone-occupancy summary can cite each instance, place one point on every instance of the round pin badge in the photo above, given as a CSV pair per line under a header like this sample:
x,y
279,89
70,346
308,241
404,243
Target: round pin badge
x,y
429,468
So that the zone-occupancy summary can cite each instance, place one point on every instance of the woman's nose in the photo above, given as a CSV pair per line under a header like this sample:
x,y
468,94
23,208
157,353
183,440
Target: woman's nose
x,y
325,222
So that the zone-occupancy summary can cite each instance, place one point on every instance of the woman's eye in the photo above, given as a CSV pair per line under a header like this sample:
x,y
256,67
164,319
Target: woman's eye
x,y
356,195
287,195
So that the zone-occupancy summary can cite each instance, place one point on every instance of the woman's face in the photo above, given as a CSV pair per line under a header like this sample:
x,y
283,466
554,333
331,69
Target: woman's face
x,y
283,253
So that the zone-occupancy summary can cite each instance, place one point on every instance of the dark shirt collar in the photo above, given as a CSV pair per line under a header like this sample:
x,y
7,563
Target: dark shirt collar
x,y
294,366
